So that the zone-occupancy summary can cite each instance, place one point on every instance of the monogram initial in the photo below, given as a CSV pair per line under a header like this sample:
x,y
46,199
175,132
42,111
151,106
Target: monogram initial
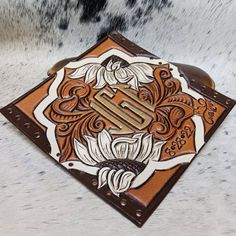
x,y
123,109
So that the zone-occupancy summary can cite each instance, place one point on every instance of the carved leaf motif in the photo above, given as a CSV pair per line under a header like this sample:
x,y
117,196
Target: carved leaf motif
x,y
69,104
73,115
172,105
177,115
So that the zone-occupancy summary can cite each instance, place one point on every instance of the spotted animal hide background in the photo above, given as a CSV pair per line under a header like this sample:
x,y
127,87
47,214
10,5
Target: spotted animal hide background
x,y
37,198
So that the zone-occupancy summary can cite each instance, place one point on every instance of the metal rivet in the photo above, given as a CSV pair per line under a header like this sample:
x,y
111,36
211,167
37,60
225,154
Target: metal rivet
x,y
70,164
160,63
123,202
109,193
58,154
138,213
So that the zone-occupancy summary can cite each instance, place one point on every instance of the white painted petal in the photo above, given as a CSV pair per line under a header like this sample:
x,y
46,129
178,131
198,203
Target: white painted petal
x,y
119,181
100,79
102,176
147,69
81,71
94,150
115,179
116,65
91,73
140,72
123,140
134,148
104,144
82,153
109,66
156,152
145,149
125,181
120,150
134,83
122,75
110,181
120,147
110,77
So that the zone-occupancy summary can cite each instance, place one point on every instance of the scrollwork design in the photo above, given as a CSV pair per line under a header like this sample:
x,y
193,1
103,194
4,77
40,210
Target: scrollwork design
x,y
75,118
73,115
172,106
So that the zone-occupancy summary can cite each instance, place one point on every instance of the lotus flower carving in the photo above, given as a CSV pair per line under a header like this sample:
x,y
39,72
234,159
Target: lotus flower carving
x,y
135,74
120,160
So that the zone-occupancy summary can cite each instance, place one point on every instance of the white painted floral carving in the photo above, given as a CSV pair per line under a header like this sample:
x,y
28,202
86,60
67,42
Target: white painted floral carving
x,y
138,149
134,75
